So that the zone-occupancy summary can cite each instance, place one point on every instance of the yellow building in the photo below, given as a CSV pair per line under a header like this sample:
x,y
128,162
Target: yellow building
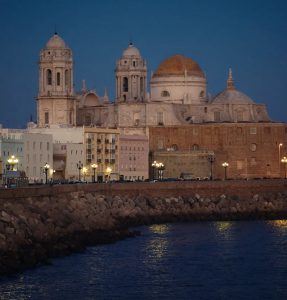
x,y
101,151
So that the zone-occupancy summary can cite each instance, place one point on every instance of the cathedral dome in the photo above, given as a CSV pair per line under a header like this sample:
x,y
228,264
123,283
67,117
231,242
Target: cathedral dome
x,y
232,97
131,51
56,42
178,65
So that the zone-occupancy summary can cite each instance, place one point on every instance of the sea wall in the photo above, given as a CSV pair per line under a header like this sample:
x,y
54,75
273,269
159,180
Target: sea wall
x,y
39,222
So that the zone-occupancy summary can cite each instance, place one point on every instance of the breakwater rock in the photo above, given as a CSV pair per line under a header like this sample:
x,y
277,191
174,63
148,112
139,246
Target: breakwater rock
x,y
38,223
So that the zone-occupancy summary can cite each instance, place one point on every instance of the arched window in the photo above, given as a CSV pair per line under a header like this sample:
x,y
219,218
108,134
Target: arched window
x,y
165,94
49,77
253,147
201,94
195,147
58,78
126,84
174,147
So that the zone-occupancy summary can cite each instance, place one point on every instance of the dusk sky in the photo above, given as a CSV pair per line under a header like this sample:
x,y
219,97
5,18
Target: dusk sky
x,y
249,36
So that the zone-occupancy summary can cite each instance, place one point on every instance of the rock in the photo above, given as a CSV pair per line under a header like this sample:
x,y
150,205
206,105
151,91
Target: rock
x,y
197,197
5,217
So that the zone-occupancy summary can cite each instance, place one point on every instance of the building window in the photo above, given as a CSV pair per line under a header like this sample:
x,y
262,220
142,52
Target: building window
x,y
253,130
201,94
134,63
253,147
160,118
239,131
239,165
46,117
48,146
126,84
217,117
205,109
253,161
58,78
49,77
195,147
174,147
165,94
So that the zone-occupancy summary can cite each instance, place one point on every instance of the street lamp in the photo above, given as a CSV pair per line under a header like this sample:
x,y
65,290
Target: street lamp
x,y
80,167
94,167
160,167
154,168
279,158
12,161
211,159
284,161
225,165
46,168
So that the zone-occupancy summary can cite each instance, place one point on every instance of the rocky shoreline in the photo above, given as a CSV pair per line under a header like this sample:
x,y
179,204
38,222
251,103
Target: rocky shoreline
x,y
33,229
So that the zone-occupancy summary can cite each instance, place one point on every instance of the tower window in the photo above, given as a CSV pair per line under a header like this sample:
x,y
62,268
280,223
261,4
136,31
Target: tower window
x,y
49,77
58,78
201,94
165,94
134,63
46,117
126,84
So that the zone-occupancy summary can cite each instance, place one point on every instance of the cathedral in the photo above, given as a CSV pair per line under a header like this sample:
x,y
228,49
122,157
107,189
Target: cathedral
x,y
187,129
178,94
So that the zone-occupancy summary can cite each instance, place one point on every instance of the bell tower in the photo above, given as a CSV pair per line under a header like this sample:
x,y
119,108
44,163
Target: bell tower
x,y
131,76
56,104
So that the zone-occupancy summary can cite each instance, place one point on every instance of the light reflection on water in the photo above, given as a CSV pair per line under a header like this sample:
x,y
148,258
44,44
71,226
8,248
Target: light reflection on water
x,y
202,260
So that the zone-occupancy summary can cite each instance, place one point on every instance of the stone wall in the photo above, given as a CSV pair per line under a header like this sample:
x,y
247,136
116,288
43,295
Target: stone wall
x,y
37,223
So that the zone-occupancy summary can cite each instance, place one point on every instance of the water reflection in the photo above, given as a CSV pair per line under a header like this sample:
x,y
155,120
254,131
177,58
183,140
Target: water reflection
x,y
224,229
159,228
279,225
156,249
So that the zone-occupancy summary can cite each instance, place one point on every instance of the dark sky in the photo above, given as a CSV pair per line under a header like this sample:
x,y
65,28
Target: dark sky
x,y
250,36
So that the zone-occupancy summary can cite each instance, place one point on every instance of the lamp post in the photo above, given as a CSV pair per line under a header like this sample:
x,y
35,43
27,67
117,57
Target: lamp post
x,y
284,161
80,167
211,159
94,167
154,168
46,168
160,167
279,158
12,162
225,166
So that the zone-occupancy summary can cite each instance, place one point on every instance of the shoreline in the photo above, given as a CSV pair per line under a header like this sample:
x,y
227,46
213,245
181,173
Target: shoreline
x,y
38,224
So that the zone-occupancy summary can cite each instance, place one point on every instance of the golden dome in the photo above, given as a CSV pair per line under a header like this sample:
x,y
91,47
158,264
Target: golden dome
x,y
177,65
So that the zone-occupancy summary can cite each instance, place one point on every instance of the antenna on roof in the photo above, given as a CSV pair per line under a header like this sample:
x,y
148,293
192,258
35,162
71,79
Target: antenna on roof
x,y
55,31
